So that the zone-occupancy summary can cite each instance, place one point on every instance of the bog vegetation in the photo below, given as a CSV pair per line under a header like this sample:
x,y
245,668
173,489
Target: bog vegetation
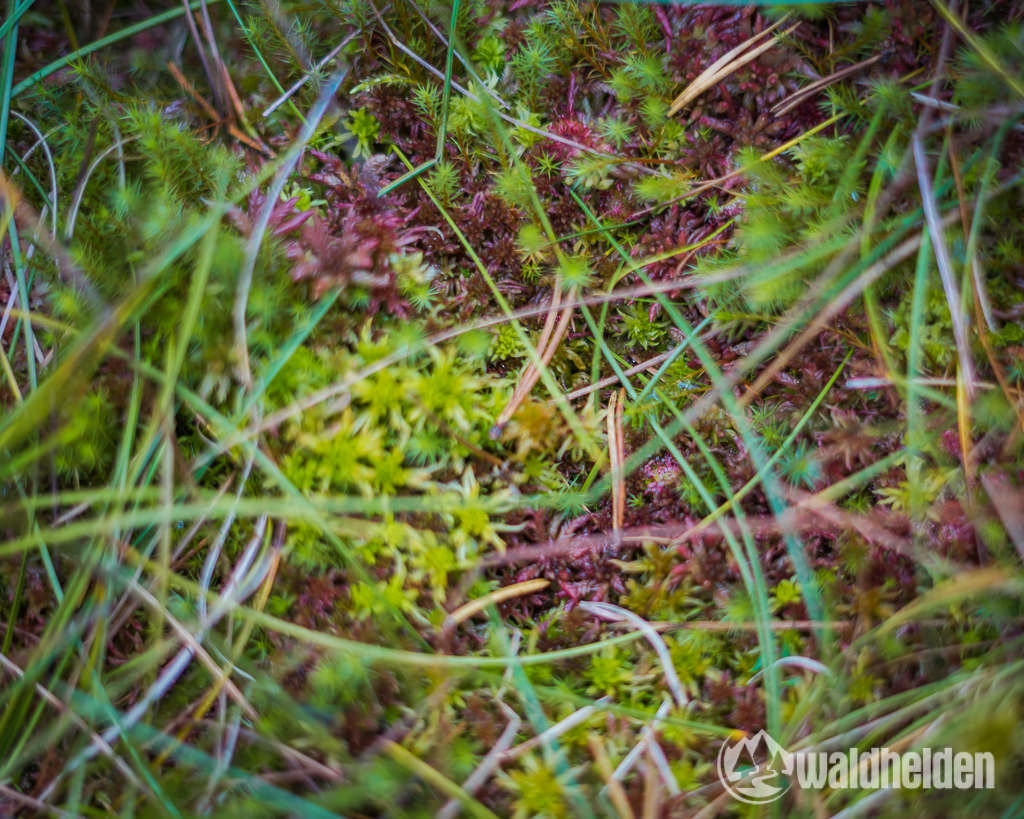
x,y
492,407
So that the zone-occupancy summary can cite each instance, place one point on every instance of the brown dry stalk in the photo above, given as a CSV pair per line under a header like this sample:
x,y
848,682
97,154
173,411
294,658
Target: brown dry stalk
x,y
784,106
652,791
547,344
467,610
725,65
518,395
190,89
211,112
556,338
254,143
604,766
549,319
617,456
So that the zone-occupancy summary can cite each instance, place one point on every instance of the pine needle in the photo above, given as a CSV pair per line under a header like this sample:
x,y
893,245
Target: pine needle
x,y
727,64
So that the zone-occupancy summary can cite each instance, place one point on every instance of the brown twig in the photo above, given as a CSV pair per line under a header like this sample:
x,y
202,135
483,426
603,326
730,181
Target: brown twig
x,y
617,456
786,105
725,65
604,766
547,344
473,607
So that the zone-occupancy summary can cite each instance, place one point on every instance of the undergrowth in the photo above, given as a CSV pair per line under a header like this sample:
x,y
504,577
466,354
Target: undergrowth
x,y
414,409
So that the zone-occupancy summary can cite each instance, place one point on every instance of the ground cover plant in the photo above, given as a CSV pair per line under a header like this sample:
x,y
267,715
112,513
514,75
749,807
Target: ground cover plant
x,y
420,409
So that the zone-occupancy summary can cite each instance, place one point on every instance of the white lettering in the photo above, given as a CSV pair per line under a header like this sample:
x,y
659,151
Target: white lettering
x,y
942,768
812,769
911,771
839,775
984,762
